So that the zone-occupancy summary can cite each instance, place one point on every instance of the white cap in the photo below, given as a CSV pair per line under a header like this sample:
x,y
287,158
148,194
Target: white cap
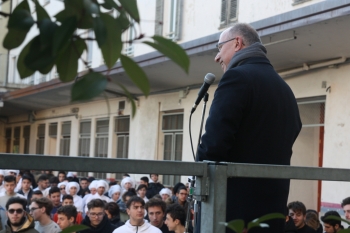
x,y
62,183
165,191
72,184
128,180
102,183
114,189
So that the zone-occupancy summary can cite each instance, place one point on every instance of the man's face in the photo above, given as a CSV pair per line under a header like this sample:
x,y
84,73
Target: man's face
x,y
127,185
154,177
329,228
67,202
43,184
93,191
298,218
182,195
143,182
136,212
116,196
96,215
61,177
63,189
83,184
73,190
26,184
10,187
15,217
227,50
36,212
142,192
346,209
55,198
156,215
171,224
101,190
63,222
165,197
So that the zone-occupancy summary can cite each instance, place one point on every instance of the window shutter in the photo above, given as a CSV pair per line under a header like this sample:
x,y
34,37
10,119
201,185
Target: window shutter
x,y
26,131
41,130
233,10
53,130
66,126
223,12
158,29
178,22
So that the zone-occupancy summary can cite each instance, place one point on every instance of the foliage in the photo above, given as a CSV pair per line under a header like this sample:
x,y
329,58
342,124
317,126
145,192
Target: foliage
x,y
60,44
238,225
74,228
342,220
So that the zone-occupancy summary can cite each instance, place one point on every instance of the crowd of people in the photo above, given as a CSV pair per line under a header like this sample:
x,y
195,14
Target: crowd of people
x,y
47,203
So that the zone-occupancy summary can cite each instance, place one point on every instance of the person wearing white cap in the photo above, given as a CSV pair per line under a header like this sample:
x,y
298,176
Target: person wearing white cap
x,y
102,187
2,188
165,193
114,193
93,190
72,188
62,187
127,183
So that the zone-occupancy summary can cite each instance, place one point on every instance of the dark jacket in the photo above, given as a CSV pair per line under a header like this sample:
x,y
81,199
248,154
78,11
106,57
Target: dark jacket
x,y
153,189
116,221
29,197
27,226
254,118
104,227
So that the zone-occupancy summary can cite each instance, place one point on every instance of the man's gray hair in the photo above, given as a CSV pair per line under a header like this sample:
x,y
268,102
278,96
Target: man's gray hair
x,y
249,34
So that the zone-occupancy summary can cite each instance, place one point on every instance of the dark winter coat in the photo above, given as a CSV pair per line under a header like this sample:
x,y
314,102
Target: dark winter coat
x,y
253,118
26,227
104,227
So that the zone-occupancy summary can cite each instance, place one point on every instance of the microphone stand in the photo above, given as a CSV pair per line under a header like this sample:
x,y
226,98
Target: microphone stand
x,y
193,180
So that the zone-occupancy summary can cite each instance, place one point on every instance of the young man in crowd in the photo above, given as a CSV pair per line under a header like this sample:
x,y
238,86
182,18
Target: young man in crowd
x,y
40,209
61,176
297,211
175,218
83,186
331,225
26,190
135,208
36,195
18,219
10,185
345,204
43,184
66,216
68,200
96,218
156,208
55,197
154,186
181,197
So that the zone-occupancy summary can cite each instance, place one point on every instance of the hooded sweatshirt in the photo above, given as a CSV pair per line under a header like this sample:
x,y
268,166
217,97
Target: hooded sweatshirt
x,y
104,227
145,228
26,227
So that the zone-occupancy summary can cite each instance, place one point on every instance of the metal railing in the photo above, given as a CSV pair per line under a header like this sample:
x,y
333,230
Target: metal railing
x,y
212,194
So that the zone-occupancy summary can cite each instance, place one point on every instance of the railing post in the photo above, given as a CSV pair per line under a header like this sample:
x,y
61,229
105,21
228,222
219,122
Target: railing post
x,y
214,209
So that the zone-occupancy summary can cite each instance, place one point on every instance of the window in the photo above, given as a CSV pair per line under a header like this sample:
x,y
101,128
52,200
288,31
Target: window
x,y
296,2
228,12
26,137
122,125
16,141
158,29
172,127
175,20
101,143
129,36
40,142
65,138
84,142
8,136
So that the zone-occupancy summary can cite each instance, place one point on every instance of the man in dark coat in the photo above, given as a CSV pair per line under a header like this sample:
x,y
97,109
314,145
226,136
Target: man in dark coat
x,y
254,118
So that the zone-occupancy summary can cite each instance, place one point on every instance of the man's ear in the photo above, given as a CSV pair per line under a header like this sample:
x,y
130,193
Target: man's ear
x,y
71,219
128,211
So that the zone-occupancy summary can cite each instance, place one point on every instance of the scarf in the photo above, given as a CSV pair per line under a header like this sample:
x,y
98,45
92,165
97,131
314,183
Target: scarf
x,y
255,50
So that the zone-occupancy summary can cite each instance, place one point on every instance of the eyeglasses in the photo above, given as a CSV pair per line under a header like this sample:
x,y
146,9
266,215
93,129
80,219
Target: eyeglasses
x,y
33,209
94,215
18,211
219,45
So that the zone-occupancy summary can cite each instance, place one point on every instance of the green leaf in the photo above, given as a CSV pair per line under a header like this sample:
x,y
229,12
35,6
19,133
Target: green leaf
x,y
171,50
109,4
67,63
111,49
90,86
41,12
131,7
136,74
23,70
129,96
20,19
63,34
100,31
123,21
91,7
236,225
47,30
14,38
39,57
337,218
75,228
77,8
259,222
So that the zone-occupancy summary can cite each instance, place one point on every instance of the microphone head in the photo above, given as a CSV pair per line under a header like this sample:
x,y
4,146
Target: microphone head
x,y
209,78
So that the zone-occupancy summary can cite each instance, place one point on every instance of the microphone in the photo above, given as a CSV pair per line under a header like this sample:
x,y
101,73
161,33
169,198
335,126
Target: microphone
x,y
208,80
